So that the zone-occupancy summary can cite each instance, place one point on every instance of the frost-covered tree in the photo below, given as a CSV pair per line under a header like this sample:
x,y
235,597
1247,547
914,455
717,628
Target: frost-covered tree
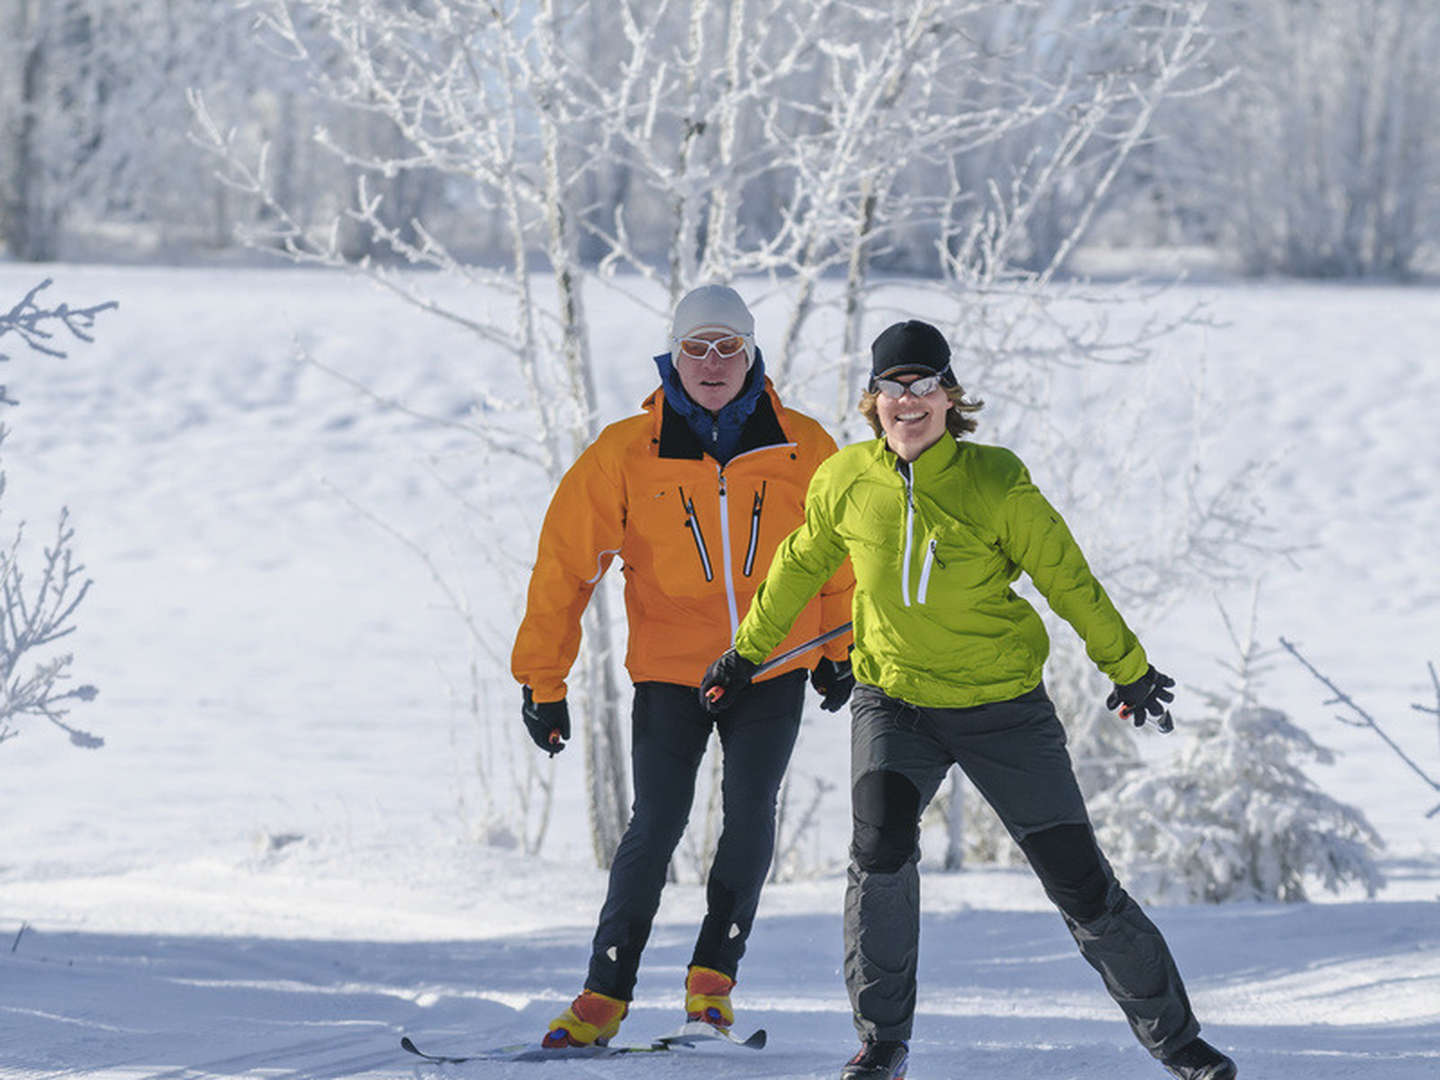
x,y
1234,816
94,124
1321,157
47,118
792,142
34,614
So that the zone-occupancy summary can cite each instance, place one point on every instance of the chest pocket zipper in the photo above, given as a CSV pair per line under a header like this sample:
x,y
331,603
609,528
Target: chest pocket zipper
x,y
693,524
754,529
929,564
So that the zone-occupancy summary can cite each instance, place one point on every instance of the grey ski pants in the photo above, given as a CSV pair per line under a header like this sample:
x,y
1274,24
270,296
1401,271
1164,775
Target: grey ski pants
x,y
669,732
1014,752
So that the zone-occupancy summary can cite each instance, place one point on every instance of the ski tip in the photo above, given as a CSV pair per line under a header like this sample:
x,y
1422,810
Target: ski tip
x,y
406,1044
698,1031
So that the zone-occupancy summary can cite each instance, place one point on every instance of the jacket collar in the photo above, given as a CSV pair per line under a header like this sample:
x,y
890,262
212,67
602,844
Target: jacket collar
x,y
756,413
934,460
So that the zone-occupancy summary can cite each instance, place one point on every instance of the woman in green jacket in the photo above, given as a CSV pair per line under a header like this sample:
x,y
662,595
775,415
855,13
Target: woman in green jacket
x,y
948,662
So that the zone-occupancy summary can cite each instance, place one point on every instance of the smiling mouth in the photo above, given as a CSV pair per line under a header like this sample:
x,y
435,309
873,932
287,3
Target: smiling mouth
x,y
912,418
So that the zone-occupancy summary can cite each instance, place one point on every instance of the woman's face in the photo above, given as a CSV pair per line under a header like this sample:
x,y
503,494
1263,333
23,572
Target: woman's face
x,y
712,380
912,424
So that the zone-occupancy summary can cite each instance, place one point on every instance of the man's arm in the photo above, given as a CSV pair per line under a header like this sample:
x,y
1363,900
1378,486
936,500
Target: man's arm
x,y
580,537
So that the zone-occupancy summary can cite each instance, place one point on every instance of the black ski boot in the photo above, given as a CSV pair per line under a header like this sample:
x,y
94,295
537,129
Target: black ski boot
x,y
1198,1060
883,1059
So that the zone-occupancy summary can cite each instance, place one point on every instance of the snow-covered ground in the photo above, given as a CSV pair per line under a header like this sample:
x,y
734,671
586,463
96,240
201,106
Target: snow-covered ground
x,y
270,869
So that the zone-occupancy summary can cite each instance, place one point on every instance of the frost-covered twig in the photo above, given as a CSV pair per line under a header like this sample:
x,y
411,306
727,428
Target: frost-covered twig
x,y
1435,682
1368,721
37,326
33,618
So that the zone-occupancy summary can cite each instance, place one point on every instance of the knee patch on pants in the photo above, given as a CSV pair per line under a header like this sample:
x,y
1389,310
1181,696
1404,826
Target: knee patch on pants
x,y
1069,865
885,807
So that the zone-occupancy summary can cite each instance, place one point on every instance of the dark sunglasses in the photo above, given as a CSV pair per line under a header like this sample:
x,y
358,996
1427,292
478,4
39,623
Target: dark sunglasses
x,y
919,387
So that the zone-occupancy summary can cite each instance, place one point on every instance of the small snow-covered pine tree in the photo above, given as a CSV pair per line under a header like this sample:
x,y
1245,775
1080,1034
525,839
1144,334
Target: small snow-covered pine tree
x,y
1234,816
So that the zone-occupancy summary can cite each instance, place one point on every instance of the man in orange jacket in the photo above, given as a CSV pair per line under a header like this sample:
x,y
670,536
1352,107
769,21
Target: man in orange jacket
x,y
694,495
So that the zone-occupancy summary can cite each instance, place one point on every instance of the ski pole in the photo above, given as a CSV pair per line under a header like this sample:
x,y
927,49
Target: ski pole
x,y
715,693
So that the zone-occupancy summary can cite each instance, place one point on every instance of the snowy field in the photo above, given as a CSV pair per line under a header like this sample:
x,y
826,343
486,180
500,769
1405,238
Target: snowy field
x,y
270,868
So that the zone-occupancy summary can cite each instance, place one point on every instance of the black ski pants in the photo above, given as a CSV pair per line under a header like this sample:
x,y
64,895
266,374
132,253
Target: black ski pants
x,y
1014,752
669,732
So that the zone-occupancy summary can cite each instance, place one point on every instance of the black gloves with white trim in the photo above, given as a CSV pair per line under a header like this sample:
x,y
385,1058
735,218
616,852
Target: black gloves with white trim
x,y
1144,699
547,721
833,680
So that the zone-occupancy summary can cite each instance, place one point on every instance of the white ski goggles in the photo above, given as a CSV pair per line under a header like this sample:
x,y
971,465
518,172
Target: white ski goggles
x,y
698,348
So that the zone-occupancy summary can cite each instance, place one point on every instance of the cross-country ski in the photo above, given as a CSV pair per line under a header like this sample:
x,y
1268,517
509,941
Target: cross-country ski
x,y
534,1052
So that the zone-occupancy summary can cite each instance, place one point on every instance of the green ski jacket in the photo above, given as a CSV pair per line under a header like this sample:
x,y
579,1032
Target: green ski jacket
x,y
935,546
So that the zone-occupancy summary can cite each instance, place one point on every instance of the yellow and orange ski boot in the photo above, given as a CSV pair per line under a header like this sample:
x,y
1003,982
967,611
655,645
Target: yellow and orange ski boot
x,y
591,1020
707,997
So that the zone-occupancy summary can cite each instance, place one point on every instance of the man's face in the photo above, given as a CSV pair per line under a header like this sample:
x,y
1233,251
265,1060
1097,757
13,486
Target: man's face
x,y
712,380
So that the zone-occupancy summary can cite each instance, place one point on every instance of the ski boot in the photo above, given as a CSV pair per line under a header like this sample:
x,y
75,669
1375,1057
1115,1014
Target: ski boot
x,y
707,997
881,1059
591,1020
1198,1060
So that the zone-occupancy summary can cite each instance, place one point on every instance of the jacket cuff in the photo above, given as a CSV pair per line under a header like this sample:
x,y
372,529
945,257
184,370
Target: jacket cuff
x,y
544,691
1129,667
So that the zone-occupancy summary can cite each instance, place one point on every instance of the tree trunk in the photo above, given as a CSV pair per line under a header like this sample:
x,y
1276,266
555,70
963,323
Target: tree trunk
x,y
605,773
24,218
605,760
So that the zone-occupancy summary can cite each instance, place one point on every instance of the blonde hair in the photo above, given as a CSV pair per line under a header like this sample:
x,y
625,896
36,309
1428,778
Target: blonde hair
x,y
957,418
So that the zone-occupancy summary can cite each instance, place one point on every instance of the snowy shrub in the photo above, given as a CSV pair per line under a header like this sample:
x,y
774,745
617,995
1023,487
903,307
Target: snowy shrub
x,y
40,614
1235,818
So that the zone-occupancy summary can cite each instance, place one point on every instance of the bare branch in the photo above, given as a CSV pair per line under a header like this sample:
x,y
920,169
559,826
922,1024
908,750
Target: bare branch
x,y
1366,720
37,326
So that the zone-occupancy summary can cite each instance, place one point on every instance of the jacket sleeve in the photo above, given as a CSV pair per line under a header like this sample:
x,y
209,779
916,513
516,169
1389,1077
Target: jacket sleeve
x,y
836,597
1035,536
838,593
805,562
579,539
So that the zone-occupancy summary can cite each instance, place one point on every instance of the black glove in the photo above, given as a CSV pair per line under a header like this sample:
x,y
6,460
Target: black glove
x,y
547,721
1148,694
724,679
833,681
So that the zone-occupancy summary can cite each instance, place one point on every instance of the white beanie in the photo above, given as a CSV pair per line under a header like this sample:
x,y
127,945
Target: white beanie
x,y
713,307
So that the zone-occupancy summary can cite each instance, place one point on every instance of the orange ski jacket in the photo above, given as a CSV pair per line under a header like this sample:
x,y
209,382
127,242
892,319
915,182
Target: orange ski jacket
x,y
695,539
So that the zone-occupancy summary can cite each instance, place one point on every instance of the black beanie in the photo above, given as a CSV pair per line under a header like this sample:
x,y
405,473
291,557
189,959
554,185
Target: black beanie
x,y
911,346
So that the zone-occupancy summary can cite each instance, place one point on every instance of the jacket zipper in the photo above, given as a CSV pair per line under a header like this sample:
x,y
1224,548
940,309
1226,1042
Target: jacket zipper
x,y
925,569
725,556
754,529
725,531
904,469
692,522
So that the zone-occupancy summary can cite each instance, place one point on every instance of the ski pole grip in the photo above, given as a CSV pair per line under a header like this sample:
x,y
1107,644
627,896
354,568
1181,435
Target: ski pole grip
x,y
714,694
